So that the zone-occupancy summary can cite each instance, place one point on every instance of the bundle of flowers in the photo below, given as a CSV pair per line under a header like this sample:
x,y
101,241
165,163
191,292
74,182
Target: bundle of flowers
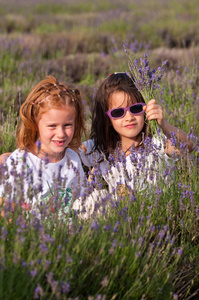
x,y
146,80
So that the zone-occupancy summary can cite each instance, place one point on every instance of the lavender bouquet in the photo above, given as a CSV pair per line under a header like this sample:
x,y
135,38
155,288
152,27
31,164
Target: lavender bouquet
x,y
146,81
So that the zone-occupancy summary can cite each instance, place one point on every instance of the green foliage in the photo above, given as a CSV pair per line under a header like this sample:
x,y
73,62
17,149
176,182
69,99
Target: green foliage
x,y
48,28
68,8
119,27
7,133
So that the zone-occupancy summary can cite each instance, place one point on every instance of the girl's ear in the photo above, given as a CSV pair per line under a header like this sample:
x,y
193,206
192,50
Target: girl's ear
x,y
109,122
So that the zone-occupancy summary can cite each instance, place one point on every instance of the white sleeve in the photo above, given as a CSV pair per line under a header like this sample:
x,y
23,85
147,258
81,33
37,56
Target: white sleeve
x,y
14,171
160,143
3,172
78,181
86,207
81,172
88,156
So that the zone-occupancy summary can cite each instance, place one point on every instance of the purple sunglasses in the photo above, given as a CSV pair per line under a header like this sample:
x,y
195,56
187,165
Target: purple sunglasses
x,y
120,112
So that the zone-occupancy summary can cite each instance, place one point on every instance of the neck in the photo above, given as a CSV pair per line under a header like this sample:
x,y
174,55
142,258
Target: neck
x,y
126,146
51,157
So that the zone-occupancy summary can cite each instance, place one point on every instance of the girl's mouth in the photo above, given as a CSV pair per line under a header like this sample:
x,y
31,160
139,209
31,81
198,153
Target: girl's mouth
x,y
130,126
59,143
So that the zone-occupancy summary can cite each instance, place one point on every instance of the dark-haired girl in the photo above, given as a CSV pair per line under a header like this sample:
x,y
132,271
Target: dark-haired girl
x,y
122,148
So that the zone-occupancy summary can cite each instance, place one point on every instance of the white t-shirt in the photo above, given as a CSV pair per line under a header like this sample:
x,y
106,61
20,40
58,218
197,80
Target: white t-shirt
x,y
33,179
136,170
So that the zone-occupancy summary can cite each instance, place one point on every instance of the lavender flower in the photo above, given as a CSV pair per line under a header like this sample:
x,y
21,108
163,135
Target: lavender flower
x,y
65,287
146,80
94,225
38,292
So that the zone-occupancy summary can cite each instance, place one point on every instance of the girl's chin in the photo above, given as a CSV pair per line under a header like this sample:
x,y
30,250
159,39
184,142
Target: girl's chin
x,y
53,156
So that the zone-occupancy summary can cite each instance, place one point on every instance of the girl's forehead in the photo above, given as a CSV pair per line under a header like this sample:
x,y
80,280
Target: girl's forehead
x,y
55,111
56,105
121,98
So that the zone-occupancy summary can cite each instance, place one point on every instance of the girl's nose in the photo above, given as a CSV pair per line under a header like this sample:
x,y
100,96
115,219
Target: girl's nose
x,y
128,116
60,132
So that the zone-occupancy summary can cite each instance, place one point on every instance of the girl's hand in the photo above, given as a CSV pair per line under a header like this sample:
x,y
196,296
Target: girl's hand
x,y
154,112
4,157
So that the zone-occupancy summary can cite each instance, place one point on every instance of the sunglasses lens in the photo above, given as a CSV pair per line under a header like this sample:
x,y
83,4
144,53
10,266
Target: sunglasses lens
x,y
117,113
136,109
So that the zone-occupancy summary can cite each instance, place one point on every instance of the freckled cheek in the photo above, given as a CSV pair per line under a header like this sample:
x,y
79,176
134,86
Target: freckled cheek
x,y
46,135
70,132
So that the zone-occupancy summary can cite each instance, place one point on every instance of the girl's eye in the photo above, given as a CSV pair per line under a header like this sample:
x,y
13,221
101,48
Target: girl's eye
x,y
52,126
68,125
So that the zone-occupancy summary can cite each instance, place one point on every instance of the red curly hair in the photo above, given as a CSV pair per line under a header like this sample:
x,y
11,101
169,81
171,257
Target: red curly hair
x,y
47,94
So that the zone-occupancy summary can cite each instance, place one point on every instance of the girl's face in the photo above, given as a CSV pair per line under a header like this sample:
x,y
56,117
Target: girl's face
x,y
128,127
56,129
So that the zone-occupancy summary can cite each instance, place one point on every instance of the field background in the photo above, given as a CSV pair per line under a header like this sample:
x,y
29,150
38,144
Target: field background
x,y
81,42
143,249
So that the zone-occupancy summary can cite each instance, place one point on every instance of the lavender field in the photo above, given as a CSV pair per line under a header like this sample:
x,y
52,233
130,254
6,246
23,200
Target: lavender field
x,y
144,245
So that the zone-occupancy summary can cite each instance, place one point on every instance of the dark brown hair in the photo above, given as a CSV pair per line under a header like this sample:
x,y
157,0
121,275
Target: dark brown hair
x,y
102,132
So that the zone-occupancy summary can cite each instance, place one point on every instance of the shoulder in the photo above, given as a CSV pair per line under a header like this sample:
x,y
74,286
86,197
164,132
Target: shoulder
x,y
73,160
15,162
87,146
159,141
72,155
88,155
17,155
17,152
23,158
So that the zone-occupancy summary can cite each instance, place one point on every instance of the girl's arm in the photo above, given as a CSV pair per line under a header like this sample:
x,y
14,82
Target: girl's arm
x,y
2,203
154,111
2,211
3,157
